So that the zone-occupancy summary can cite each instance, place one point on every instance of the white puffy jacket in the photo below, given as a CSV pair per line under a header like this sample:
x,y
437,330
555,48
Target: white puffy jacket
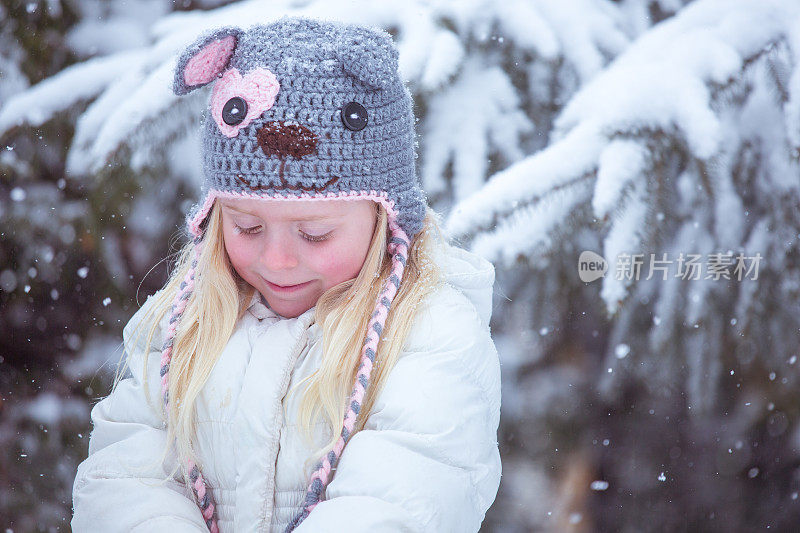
x,y
427,459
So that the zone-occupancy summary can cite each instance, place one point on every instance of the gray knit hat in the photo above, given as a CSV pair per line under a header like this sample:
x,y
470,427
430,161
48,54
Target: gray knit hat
x,y
303,109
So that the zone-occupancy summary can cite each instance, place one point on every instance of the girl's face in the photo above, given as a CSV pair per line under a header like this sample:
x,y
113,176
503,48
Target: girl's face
x,y
293,251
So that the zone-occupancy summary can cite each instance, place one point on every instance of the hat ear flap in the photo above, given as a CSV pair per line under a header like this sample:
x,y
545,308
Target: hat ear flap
x,y
369,55
205,59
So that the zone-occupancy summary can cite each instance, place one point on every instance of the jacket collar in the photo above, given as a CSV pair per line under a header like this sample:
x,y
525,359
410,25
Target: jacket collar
x,y
260,310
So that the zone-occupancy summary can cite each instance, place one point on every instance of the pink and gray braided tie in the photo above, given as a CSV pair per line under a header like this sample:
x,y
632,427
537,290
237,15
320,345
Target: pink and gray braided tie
x,y
322,475
201,491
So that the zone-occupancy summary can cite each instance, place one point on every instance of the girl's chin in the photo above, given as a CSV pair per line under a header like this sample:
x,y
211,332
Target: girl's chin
x,y
288,307
290,312
290,302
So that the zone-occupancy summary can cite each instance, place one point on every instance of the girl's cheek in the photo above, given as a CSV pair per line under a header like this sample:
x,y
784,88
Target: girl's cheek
x,y
319,256
238,248
344,266
328,261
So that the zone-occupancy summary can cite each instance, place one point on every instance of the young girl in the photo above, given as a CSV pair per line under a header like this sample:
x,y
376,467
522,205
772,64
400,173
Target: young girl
x,y
320,360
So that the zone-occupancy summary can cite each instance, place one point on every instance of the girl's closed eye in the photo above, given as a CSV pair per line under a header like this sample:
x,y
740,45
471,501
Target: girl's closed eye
x,y
315,237
239,230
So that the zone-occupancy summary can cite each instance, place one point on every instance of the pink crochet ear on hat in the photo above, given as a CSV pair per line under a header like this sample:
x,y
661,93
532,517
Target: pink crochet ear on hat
x,y
206,64
258,88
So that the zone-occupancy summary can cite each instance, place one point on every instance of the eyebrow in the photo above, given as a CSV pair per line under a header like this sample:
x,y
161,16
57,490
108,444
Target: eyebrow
x,y
299,218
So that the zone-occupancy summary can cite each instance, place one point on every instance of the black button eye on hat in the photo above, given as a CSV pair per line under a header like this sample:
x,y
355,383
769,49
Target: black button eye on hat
x,y
234,111
354,116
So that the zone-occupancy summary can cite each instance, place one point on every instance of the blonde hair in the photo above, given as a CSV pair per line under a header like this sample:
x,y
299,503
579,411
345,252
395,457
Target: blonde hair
x,y
221,297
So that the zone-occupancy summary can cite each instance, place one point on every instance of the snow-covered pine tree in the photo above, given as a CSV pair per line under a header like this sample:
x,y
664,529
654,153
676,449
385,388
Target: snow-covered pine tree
x,y
679,396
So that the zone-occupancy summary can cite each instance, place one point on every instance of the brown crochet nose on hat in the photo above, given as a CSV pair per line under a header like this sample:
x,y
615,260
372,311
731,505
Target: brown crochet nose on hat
x,y
282,139
286,139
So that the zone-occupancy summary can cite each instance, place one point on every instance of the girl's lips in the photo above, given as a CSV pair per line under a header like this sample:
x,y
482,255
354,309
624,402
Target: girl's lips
x,y
286,288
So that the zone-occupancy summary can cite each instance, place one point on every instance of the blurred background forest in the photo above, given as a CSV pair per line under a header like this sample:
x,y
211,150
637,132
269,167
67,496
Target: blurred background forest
x,y
545,129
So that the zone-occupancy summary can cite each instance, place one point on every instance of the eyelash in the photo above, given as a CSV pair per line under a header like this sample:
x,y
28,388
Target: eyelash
x,y
245,231
306,236
316,238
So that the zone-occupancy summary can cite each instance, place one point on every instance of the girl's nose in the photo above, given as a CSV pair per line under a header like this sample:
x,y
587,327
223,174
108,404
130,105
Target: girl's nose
x,y
278,253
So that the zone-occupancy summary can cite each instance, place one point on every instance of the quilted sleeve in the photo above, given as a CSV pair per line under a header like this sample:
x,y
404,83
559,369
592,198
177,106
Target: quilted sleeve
x,y
122,485
427,459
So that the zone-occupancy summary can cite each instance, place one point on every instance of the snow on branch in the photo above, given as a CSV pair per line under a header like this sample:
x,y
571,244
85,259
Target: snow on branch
x,y
492,115
82,81
670,83
484,103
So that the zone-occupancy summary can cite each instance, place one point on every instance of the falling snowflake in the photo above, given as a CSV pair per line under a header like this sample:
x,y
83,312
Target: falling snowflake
x,y
18,194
